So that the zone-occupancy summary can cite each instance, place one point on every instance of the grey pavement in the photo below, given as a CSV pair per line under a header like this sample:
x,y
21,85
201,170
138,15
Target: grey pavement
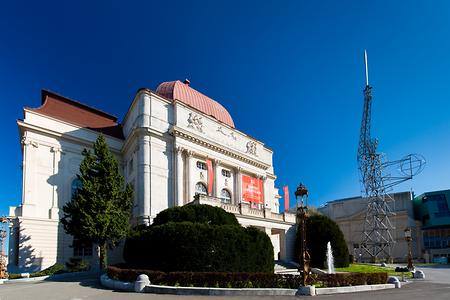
x,y
436,286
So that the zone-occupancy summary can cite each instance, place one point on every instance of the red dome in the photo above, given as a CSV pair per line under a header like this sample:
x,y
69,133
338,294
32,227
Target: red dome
x,y
177,90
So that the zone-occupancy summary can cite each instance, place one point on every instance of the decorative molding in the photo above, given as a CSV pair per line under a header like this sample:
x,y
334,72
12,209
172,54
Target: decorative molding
x,y
26,141
55,149
190,153
251,148
176,131
180,149
195,122
230,135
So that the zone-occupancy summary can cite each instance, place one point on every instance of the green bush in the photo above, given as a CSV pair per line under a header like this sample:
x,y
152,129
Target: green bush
x,y
76,264
244,280
55,269
200,247
321,230
202,213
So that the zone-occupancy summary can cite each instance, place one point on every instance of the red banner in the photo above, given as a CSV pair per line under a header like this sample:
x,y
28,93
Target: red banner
x,y
252,190
286,197
210,176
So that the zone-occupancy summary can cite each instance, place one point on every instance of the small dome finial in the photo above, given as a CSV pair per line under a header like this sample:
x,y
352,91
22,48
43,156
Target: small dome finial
x,y
187,82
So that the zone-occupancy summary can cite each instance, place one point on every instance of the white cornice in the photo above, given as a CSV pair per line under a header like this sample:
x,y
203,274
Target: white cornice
x,y
70,124
23,125
179,132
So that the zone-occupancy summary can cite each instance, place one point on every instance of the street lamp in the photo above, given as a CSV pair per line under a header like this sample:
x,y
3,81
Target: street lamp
x,y
408,238
302,207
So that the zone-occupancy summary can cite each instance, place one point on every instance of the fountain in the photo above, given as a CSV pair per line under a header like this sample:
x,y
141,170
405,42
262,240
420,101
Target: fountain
x,y
330,259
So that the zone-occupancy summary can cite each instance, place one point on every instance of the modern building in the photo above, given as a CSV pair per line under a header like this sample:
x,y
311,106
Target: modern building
x,y
175,146
432,210
349,214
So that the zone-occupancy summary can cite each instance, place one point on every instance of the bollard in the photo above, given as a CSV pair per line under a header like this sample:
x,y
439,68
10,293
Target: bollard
x,y
141,282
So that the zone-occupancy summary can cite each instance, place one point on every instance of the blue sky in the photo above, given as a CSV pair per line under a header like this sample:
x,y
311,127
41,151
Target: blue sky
x,y
290,73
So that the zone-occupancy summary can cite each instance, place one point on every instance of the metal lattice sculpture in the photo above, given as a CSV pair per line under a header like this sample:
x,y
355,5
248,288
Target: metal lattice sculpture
x,y
377,181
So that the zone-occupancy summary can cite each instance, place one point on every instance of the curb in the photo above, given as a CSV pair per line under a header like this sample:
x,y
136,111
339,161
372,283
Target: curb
x,y
353,289
209,291
41,278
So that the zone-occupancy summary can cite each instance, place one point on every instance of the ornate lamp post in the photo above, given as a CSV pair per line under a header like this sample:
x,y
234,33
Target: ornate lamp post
x,y
302,209
408,238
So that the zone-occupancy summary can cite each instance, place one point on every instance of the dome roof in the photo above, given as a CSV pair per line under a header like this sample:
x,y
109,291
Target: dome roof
x,y
177,90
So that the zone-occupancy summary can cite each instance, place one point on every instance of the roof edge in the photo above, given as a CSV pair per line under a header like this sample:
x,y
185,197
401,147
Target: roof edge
x,y
46,92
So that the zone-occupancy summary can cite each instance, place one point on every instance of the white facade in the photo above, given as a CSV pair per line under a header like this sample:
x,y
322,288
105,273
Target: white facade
x,y
162,154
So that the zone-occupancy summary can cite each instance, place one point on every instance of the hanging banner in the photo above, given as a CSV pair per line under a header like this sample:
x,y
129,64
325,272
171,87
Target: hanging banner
x,y
210,176
252,190
286,197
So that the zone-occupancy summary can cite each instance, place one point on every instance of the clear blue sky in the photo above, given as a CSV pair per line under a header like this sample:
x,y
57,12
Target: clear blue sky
x,y
290,73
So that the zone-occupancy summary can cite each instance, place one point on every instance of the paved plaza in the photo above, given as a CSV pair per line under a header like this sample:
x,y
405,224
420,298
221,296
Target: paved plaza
x,y
436,286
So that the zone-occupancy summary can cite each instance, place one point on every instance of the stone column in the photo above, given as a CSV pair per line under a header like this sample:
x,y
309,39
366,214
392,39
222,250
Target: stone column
x,y
216,191
189,175
54,210
238,185
179,176
28,208
144,180
264,191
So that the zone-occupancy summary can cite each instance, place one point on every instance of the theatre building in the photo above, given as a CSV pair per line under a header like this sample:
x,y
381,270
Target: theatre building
x,y
175,145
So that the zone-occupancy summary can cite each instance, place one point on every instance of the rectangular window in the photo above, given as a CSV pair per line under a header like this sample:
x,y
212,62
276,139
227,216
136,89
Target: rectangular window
x,y
130,166
201,165
81,249
226,173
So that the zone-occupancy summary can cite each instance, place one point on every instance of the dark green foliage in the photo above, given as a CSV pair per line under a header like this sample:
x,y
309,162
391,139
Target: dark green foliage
x,y
55,269
205,214
244,280
200,247
320,231
99,211
76,264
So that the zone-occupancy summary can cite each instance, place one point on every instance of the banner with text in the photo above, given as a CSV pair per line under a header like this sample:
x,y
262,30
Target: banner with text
x,y
210,176
252,189
286,197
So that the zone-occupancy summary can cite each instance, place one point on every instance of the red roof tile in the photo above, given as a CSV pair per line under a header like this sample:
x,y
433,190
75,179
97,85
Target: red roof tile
x,y
177,90
74,112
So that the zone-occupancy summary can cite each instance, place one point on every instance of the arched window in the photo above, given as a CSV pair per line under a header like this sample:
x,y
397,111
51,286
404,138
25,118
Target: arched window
x,y
76,185
225,196
201,189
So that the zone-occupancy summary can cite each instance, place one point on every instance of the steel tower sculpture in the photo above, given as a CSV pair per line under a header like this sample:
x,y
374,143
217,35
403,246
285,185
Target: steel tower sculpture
x,y
377,181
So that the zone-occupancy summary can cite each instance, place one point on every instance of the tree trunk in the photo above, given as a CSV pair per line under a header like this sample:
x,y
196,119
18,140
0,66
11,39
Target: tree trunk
x,y
102,256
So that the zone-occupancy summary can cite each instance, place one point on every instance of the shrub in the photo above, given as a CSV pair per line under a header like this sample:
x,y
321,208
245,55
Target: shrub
x,y
55,269
244,280
202,213
321,230
200,247
76,264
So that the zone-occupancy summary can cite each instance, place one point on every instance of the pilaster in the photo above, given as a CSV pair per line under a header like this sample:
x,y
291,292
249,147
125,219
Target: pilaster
x,y
179,176
189,175
143,179
54,210
216,191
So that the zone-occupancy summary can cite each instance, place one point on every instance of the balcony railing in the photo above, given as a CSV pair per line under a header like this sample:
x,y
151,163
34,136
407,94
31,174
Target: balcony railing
x,y
243,209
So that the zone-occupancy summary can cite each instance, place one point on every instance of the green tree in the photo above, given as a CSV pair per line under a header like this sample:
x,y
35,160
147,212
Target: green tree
x,y
319,231
100,210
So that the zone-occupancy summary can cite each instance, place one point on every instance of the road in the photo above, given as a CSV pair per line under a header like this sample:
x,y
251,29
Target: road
x,y
436,286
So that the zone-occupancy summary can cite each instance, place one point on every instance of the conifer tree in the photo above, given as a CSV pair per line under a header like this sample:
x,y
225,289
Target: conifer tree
x,y
100,209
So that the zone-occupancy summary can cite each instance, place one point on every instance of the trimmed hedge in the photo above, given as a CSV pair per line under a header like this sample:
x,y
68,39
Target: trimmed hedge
x,y
199,213
199,247
55,269
244,280
319,231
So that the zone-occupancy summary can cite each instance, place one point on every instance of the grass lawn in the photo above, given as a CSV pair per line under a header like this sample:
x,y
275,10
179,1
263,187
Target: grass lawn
x,y
363,268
